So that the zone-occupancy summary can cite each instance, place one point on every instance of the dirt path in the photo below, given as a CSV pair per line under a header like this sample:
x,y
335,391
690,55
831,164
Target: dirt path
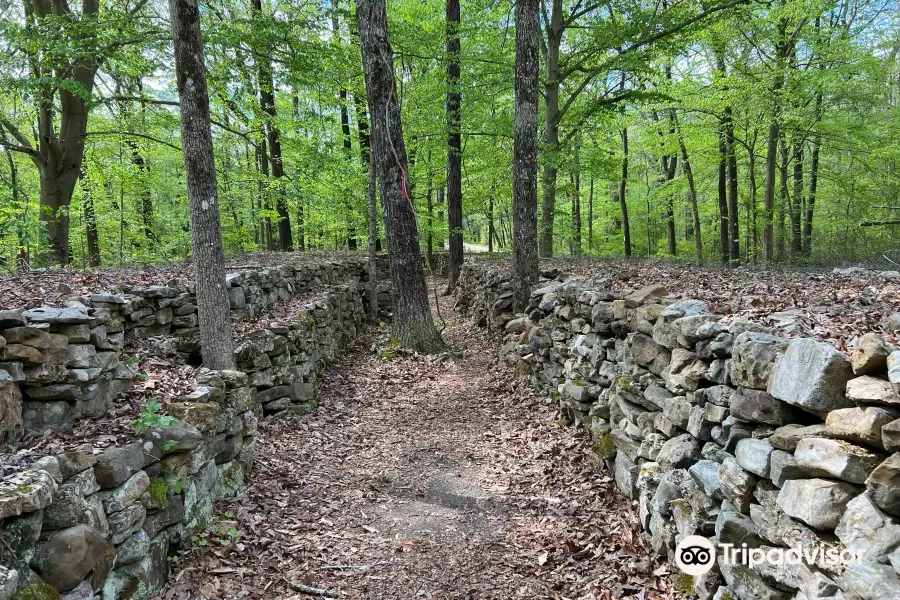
x,y
424,478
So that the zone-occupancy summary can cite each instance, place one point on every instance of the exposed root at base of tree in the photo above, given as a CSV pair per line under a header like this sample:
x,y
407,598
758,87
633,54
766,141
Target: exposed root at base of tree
x,y
425,477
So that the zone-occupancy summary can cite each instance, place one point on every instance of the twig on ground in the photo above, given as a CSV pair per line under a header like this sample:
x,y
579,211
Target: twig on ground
x,y
313,591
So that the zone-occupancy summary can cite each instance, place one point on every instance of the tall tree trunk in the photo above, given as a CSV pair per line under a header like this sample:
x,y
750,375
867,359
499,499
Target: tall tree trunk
x,y
797,201
413,325
524,175
813,186
372,245
772,145
576,202
345,133
724,244
196,138
492,232
692,195
551,126
365,158
454,146
591,215
734,244
784,196
90,221
273,137
623,204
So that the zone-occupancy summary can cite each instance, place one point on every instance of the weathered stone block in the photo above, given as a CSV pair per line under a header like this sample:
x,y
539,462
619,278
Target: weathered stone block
x,y
819,503
822,457
813,376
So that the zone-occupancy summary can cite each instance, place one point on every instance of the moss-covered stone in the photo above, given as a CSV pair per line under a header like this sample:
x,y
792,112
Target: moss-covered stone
x,y
36,589
684,584
158,490
604,447
300,409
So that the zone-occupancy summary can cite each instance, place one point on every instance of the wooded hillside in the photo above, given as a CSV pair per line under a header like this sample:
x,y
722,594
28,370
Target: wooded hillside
x,y
736,131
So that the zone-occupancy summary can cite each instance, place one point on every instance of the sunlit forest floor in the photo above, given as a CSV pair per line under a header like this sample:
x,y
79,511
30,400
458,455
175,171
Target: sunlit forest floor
x,y
424,477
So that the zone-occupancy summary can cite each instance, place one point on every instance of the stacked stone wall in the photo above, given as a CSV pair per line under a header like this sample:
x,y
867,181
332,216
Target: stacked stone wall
x,y
102,522
728,430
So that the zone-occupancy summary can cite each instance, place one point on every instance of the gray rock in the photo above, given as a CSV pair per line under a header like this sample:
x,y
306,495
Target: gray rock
x,y
757,406
9,578
884,485
11,318
116,465
679,452
28,336
859,424
871,581
753,357
705,474
67,558
817,502
866,530
783,467
890,436
870,355
119,498
177,436
735,528
75,461
24,492
625,475
640,296
747,585
825,373
786,438
754,456
893,370
133,549
125,523
822,457
84,591
871,390
737,484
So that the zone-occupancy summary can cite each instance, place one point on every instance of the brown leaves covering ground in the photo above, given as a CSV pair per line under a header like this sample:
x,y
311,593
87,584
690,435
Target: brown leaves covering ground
x,y
836,307
424,477
34,288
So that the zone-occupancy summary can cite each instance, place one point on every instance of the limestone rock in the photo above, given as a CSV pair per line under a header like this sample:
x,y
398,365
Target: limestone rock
x,y
736,528
754,455
177,436
705,474
126,522
128,493
813,376
24,492
784,467
753,357
116,465
871,581
884,485
757,406
819,503
822,457
71,554
865,529
640,296
679,452
863,425
737,484
786,438
870,355
871,390
890,436
75,461
747,585
11,425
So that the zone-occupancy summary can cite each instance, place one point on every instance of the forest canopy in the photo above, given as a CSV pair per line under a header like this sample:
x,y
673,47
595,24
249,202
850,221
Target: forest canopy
x,y
740,132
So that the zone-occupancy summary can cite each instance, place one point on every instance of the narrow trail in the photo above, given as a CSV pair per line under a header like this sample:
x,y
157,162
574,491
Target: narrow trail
x,y
423,477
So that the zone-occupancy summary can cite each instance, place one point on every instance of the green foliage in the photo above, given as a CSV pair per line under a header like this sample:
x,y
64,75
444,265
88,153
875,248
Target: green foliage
x,y
150,417
222,531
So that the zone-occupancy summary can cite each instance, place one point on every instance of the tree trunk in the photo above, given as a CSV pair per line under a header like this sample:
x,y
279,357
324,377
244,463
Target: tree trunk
x,y
797,202
576,203
525,164
734,244
345,134
813,189
784,196
692,195
769,192
273,138
413,326
454,147
623,205
724,244
90,221
551,126
492,232
196,138
373,250
591,215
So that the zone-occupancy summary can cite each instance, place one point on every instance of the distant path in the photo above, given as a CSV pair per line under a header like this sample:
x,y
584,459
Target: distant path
x,y
424,478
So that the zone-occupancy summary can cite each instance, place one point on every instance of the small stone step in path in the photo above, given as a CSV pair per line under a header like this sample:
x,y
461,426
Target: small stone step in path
x,y
423,477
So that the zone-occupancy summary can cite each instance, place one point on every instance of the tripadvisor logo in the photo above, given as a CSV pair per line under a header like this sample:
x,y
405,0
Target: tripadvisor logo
x,y
695,555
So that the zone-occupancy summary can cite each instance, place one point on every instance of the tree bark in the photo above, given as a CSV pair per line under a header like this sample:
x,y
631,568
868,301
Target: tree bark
x,y
623,204
454,146
551,126
413,326
206,237
692,195
90,222
813,189
591,215
797,202
524,175
734,247
372,245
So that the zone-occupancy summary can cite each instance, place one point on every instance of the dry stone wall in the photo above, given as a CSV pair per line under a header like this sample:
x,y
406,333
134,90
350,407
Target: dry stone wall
x,y
732,432
101,523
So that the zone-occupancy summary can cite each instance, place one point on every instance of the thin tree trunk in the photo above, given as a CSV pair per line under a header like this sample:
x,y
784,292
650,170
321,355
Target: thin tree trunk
x,y
491,230
90,221
454,147
576,203
623,204
797,202
413,326
551,126
525,164
724,244
734,245
813,188
692,195
196,138
591,215
784,197
372,245
345,134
